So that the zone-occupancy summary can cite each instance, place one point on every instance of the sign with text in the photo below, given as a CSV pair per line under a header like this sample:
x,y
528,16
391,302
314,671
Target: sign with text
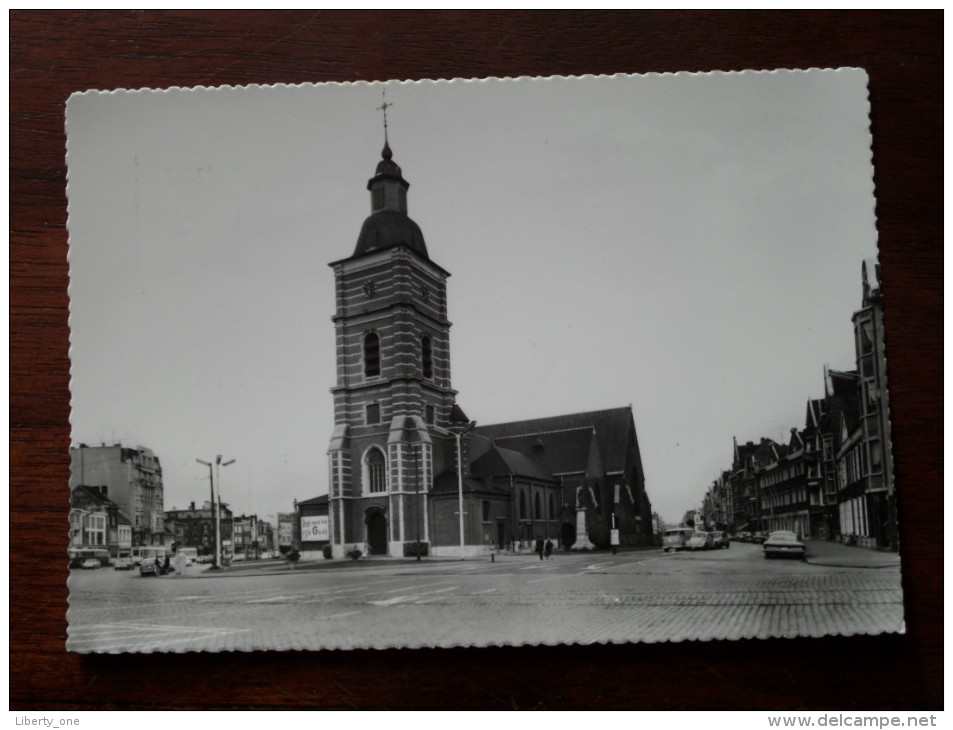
x,y
315,528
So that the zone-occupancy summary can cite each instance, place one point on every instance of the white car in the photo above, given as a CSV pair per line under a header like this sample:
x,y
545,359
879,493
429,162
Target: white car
x,y
699,541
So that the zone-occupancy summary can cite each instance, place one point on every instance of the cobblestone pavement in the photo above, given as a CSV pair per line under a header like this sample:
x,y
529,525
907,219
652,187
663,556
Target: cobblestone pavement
x,y
574,598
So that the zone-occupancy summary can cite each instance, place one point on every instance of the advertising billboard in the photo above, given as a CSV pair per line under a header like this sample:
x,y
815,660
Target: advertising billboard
x,y
315,528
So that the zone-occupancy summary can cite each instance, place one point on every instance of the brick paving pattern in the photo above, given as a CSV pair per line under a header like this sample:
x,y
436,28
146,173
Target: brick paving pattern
x,y
575,598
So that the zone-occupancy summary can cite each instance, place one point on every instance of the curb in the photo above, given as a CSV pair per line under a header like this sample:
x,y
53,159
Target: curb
x,y
809,561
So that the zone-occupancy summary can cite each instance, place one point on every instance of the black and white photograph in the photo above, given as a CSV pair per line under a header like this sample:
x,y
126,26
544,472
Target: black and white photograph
x,y
496,362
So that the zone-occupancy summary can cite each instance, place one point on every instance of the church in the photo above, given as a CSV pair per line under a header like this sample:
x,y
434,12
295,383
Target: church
x,y
408,472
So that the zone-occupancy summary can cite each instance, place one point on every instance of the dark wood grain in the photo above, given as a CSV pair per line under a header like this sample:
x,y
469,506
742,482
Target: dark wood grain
x,y
55,53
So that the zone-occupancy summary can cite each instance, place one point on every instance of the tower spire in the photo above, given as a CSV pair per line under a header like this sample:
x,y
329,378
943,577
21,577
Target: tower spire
x,y
386,154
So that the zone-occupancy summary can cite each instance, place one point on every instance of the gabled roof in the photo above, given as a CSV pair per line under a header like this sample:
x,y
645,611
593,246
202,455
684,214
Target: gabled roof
x,y
796,441
497,461
561,444
844,409
841,382
766,451
97,496
743,452
323,499
814,413
554,452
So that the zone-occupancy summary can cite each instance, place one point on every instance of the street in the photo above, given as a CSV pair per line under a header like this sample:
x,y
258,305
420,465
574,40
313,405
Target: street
x,y
640,595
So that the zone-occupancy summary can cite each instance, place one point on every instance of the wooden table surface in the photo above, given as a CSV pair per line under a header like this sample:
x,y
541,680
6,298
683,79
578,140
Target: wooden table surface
x,y
53,53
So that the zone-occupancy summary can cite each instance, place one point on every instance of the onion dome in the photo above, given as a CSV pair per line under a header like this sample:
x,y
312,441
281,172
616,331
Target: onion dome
x,y
388,225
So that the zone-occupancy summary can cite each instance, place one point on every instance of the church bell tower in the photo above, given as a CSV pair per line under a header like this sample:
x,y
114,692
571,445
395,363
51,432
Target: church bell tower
x,y
392,342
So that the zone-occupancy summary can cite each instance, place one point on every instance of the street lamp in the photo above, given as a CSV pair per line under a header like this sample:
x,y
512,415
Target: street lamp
x,y
211,487
417,502
459,432
216,505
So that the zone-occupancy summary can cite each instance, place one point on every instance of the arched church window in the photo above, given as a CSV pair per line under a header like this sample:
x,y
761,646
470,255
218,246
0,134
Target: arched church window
x,y
372,355
426,356
376,471
522,505
537,511
552,508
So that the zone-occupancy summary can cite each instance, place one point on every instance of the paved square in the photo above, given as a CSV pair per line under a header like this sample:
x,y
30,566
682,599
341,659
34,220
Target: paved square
x,y
573,598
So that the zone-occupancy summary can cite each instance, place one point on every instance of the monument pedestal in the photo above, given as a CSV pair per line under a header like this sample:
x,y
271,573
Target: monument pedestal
x,y
582,536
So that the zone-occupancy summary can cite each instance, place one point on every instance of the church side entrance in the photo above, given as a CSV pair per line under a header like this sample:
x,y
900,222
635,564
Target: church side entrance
x,y
376,533
567,535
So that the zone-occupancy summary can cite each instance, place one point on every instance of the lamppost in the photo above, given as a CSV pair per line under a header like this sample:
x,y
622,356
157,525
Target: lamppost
x,y
417,502
459,432
211,504
216,505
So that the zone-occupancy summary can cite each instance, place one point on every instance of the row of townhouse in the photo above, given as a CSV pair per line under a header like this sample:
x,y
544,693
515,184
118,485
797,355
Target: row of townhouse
x,y
132,479
117,504
833,478
243,537
98,528
253,537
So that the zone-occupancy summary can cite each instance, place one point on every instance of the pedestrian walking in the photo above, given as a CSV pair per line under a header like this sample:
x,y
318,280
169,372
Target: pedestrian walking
x,y
548,549
540,546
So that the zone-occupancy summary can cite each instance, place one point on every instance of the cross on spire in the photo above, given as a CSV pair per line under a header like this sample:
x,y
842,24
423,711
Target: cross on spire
x,y
383,108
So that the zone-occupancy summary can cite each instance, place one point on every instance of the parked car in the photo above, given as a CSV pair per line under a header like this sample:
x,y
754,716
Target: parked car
x,y
91,564
675,538
783,543
720,539
758,537
123,564
743,536
699,541
77,556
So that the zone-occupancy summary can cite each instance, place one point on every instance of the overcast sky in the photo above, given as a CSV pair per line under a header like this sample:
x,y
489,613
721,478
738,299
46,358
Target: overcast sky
x,y
687,244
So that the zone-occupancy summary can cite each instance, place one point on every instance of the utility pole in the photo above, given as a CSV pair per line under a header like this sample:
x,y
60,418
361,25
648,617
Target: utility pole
x,y
459,433
211,504
216,506
417,502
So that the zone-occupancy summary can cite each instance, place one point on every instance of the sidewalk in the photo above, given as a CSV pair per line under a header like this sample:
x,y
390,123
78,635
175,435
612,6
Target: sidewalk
x,y
270,567
838,555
